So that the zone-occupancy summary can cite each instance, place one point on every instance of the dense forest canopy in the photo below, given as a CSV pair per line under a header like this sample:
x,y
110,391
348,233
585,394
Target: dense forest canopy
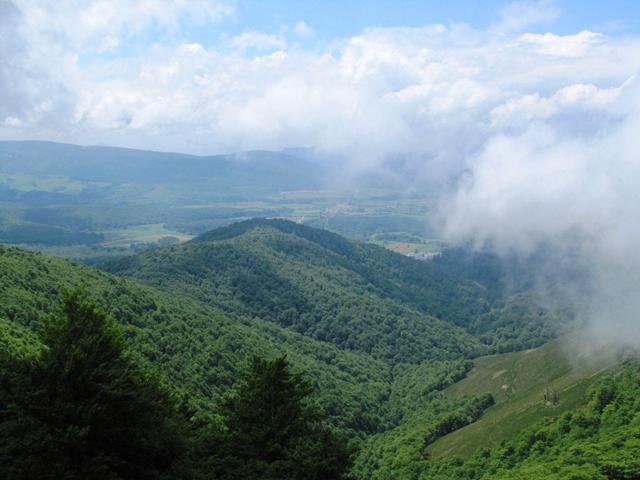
x,y
83,407
381,338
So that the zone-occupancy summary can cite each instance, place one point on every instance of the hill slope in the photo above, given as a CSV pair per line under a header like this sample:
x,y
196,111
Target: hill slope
x,y
307,280
357,318
355,295
597,441
560,370
199,348
527,387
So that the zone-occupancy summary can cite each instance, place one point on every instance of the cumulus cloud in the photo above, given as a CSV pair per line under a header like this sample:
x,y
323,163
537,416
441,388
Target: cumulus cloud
x,y
31,95
576,194
434,93
43,45
75,24
562,46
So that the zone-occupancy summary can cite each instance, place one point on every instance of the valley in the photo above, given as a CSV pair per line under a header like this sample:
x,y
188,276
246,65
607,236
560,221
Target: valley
x,y
56,198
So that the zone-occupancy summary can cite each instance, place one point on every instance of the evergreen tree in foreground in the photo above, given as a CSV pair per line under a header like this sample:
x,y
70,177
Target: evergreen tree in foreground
x,y
274,432
83,409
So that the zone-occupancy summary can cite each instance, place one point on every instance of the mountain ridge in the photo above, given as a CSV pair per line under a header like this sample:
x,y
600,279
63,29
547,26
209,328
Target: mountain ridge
x,y
118,165
277,259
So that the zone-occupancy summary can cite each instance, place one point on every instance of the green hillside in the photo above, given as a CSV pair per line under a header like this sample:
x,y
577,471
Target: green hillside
x,y
597,441
201,342
528,386
392,345
355,295
198,348
326,287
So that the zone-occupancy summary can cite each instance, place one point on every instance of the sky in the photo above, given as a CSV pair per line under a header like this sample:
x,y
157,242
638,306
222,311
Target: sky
x,y
354,78
338,19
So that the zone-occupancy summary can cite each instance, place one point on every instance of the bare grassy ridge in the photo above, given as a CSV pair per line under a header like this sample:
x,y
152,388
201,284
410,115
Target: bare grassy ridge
x,y
519,381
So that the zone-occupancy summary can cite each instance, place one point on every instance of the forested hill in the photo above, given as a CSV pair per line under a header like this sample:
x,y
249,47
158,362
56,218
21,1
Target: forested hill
x,y
199,349
355,295
361,322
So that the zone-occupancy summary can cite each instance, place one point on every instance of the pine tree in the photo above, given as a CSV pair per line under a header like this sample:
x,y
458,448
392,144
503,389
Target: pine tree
x,y
273,430
83,408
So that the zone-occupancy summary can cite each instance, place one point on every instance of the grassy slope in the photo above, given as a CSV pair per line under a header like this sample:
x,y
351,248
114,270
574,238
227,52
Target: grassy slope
x,y
518,382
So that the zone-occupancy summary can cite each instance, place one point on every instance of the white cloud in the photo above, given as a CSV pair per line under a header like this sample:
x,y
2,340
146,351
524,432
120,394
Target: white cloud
x,y
578,194
522,111
304,31
417,91
563,46
258,40
77,24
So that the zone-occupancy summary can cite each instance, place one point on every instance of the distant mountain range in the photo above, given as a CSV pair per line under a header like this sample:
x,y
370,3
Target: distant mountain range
x,y
255,169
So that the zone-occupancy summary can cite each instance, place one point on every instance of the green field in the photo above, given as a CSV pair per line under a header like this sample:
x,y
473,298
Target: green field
x,y
49,183
518,381
141,234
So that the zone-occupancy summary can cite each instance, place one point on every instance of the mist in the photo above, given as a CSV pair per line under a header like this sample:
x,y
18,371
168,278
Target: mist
x,y
575,193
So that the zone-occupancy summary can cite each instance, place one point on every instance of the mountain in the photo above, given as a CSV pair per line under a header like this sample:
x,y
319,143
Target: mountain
x,y
309,281
358,296
260,170
394,346
199,349
110,201
366,323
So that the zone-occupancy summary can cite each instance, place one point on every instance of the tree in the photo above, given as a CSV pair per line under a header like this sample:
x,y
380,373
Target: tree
x,y
273,430
83,408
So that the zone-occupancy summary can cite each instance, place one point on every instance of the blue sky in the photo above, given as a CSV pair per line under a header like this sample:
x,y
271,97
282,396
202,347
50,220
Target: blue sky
x,y
333,19
330,21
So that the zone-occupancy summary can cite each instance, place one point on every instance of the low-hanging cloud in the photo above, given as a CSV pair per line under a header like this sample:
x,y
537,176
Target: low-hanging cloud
x,y
576,192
